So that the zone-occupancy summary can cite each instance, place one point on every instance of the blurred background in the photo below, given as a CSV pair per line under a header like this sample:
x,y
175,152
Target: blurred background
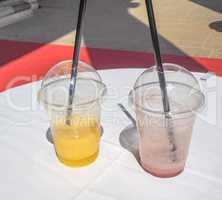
x,y
35,34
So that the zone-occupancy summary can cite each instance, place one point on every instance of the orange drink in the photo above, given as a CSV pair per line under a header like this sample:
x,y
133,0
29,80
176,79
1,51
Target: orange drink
x,y
75,128
76,144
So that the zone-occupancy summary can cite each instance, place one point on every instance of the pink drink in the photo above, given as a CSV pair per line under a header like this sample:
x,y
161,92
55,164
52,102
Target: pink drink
x,y
155,143
164,141
155,149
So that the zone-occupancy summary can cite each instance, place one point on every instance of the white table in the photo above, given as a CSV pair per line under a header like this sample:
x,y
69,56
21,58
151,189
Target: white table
x,y
29,168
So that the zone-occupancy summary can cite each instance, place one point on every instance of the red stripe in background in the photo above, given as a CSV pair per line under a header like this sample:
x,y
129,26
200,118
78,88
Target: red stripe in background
x,y
23,62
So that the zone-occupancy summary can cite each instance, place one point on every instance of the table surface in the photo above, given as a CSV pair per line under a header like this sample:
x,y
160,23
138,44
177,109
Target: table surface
x,y
29,168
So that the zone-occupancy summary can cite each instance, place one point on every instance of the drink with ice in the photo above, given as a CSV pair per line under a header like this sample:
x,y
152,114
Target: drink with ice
x,y
158,134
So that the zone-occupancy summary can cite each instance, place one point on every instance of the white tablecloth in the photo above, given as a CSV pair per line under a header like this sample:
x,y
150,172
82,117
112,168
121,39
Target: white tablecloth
x,y
29,168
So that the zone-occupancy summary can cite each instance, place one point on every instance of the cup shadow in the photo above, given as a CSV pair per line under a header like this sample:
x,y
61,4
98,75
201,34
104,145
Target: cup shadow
x,y
50,138
129,140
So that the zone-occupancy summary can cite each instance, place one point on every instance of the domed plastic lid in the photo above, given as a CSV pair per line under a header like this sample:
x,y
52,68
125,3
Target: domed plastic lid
x,y
183,90
63,70
55,85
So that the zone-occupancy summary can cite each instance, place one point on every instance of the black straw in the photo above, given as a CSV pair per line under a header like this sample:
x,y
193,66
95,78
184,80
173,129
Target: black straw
x,y
161,75
75,59
156,46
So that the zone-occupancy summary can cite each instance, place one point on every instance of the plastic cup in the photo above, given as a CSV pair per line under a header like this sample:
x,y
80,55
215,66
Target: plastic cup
x,y
77,143
157,133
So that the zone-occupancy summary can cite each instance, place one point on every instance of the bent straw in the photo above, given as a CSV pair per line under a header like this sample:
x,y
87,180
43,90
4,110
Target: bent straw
x,y
75,59
161,75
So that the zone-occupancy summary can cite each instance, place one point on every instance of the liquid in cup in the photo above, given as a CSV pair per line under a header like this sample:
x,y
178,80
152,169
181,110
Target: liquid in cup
x,y
77,143
185,97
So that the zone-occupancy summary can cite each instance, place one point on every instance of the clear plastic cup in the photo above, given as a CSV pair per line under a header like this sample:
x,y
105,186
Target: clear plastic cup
x,y
164,140
77,142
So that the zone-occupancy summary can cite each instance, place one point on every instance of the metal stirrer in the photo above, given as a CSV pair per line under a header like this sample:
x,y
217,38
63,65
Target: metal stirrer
x,y
165,99
130,117
74,70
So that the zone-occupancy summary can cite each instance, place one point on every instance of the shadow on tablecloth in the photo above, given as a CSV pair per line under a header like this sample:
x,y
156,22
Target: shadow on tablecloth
x,y
129,140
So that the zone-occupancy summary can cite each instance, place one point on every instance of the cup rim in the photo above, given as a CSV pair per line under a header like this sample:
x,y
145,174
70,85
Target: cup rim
x,y
142,108
45,102
98,81
195,109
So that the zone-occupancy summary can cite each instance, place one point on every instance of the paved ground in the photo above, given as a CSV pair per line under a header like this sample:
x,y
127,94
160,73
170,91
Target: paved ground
x,y
186,27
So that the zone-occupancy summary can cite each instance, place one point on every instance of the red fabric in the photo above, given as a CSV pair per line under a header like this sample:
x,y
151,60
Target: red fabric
x,y
23,62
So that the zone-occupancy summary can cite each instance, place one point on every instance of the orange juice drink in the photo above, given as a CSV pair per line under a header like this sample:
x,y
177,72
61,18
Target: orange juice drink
x,y
76,144
75,128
